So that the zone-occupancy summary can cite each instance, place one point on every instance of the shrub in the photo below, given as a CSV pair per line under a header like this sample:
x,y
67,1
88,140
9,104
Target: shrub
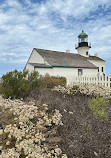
x,y
32,133
98,106
35,81
74,89
17,84
0,88
52,81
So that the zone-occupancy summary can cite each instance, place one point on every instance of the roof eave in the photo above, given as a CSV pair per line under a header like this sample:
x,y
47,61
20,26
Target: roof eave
x,y
66,67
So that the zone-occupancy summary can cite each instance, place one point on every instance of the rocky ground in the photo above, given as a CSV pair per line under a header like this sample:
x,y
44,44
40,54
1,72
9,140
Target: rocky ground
x,y
83,136
92,89
28,130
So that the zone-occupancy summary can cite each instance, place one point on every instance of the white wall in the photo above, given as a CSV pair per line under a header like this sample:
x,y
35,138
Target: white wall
x,y
99,64
69,73
29,67
82,51
37,58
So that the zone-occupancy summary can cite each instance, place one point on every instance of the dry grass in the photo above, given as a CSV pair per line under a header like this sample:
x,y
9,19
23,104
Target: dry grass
x,y
82,135
6,118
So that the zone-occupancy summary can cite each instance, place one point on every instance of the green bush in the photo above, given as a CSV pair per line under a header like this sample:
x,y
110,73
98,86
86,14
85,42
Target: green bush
x,y
0,88
74,89
52,81
17,84
99,106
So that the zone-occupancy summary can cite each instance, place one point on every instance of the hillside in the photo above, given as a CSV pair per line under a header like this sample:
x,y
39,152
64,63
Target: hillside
x,y
70,130
27,130
83,136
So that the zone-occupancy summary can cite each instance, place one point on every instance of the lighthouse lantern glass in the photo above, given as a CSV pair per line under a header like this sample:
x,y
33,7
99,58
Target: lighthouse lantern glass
x,y
83,39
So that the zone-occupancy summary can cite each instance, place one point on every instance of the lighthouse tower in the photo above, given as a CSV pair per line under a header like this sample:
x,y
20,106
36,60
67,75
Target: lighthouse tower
x,y
83,45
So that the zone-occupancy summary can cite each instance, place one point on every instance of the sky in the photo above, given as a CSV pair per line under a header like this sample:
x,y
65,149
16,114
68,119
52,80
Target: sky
x,y
53,25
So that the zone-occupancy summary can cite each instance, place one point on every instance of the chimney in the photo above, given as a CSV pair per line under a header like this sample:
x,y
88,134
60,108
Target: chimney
x,y
96,54
68,51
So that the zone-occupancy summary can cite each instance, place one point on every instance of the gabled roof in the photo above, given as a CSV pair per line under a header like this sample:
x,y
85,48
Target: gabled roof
x,y
95,58
63,59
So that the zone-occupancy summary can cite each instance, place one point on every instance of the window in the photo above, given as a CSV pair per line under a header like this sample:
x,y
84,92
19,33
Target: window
x,y
86,53
80,72
98,69
102,69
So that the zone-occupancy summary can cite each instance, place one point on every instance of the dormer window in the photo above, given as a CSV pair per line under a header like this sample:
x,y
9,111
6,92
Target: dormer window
x,y
86,53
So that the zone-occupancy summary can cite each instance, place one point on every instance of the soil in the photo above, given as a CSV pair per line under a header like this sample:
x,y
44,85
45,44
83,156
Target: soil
x,y
83,136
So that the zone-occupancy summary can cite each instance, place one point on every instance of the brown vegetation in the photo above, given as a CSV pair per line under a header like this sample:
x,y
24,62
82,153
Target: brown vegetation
x,y
83,135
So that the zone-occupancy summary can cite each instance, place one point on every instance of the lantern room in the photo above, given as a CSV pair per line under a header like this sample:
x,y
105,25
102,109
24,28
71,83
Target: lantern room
x,y
83,37
83,40
83,45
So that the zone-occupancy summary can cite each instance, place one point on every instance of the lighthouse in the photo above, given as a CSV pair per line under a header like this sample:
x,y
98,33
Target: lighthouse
x,y
83,45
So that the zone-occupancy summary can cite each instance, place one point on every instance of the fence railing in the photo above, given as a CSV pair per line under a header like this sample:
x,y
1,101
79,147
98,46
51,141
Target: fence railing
x,y
98,80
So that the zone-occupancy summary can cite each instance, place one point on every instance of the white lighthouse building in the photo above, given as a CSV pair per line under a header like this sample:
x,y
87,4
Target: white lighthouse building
x,y
83,45
66,64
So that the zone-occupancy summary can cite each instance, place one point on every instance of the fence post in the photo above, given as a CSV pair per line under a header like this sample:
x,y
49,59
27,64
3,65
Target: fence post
x,y
105,81
96,80
108,81
102,80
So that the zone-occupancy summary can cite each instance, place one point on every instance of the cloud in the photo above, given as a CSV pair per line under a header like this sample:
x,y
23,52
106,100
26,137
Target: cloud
x,y
52,24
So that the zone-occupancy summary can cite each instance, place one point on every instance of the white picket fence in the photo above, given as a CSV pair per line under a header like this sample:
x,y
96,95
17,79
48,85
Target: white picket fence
x,y
97,80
